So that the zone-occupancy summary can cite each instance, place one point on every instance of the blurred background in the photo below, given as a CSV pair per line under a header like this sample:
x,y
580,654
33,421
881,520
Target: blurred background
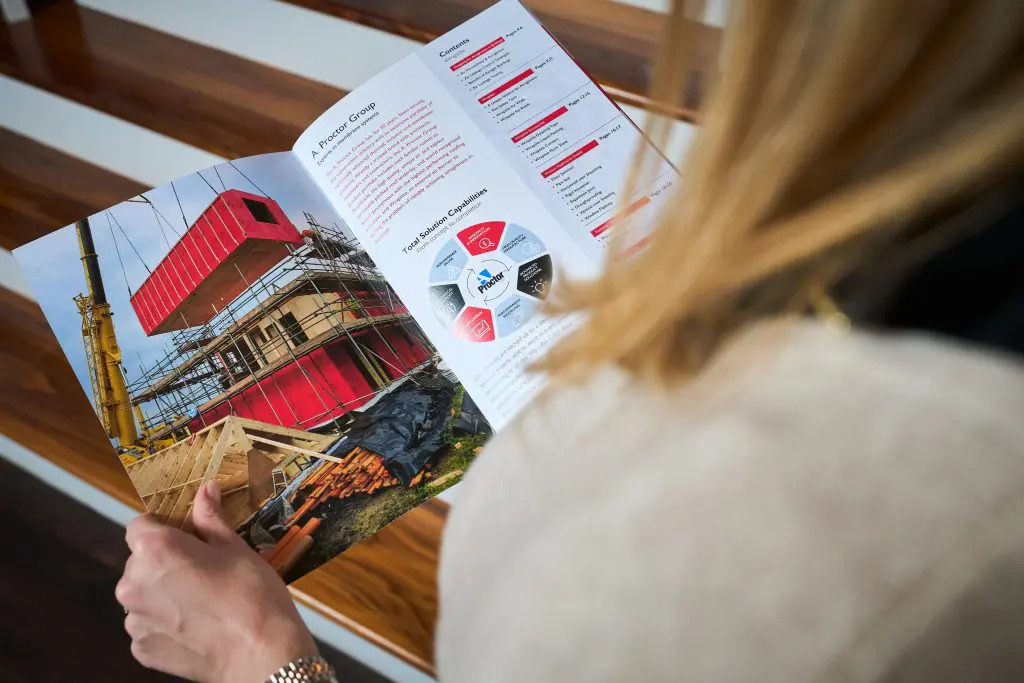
x,y
102,99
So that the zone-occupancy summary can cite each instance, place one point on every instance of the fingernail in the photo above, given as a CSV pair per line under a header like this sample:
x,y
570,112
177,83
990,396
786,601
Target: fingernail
x,y
213,490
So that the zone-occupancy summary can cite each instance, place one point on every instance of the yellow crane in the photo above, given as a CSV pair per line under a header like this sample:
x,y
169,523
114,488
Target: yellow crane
x,y
109,388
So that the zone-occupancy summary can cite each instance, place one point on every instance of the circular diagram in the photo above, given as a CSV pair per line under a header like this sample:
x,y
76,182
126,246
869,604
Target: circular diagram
x,y
489,280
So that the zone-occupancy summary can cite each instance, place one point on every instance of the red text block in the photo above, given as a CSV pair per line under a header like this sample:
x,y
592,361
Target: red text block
x,y
470,57
551,170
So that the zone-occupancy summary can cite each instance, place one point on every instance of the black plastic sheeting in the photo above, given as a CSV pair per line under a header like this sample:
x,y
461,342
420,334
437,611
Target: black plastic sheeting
x,y
405,427
471,420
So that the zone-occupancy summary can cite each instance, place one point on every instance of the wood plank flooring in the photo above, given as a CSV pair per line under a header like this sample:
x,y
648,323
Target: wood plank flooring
x,y
42,189
60,620
614,42
204,97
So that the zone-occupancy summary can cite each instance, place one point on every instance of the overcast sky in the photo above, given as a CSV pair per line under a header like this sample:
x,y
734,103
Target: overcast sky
x,y
52,264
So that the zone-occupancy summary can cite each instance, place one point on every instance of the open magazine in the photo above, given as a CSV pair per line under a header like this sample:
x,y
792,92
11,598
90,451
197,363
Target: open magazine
x,y
332,333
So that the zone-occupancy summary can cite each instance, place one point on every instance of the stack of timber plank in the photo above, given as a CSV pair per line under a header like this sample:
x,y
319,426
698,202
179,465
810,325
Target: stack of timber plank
x,y
291,547
359,471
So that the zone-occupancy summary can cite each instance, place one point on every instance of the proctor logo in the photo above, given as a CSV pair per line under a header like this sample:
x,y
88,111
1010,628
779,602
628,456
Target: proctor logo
x,y
487,281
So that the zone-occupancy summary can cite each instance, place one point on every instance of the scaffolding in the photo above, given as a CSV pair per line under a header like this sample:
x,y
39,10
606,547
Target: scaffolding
x,y
250,338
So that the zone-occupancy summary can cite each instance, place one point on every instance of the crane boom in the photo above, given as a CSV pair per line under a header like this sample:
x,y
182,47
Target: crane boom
x,y
113,402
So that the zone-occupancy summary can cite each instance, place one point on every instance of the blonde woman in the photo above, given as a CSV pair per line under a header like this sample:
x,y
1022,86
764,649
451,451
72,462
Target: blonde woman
x,y
740,485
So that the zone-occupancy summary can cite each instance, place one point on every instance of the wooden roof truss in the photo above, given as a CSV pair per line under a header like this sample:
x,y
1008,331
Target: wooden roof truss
x,y
246,457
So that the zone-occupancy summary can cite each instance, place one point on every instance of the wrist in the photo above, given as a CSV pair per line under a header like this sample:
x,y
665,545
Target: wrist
x,y
273,645
287,642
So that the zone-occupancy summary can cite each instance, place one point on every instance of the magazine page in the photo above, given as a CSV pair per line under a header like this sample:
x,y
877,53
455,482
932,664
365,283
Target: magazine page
x,y
476,172
566,138
228,326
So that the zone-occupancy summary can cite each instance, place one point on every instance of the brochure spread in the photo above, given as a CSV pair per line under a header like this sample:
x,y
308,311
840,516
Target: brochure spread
x,y
332,332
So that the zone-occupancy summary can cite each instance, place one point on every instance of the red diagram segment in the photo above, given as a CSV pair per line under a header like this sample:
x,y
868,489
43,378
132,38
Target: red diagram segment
x,y
505,86
551,170
475,325
482,237
530,130
470,57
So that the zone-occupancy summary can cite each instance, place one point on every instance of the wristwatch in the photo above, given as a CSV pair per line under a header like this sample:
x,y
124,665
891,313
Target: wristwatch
x,y
305,670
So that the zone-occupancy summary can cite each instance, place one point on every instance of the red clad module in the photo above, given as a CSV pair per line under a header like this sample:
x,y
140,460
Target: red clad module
x,y
238,238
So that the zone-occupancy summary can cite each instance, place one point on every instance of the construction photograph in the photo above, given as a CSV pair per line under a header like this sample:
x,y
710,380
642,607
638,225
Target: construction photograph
x,y
229,327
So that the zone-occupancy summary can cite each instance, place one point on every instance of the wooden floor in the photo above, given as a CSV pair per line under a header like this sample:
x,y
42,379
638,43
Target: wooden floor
x,y
384,588
614,42
60,621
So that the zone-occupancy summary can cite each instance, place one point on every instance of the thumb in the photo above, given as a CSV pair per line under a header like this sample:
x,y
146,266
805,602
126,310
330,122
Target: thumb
x,y
208,518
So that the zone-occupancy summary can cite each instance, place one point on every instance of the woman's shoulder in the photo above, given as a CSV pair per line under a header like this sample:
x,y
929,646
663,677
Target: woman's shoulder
x,y
796,378
776,505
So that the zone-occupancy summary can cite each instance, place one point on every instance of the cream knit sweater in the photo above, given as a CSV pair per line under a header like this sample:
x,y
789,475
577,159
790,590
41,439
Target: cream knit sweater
x,y
816,506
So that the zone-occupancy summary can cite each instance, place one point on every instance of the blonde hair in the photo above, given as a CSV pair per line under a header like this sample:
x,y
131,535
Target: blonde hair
x,y
832,126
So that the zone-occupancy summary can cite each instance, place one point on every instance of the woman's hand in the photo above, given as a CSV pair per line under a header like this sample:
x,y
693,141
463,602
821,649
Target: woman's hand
x,y
207,607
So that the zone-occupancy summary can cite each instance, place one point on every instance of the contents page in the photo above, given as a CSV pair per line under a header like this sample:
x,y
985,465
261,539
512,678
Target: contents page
x,y
465,242
569,142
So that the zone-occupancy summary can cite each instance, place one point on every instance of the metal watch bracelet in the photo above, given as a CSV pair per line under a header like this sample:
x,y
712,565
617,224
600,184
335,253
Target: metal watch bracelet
x,y
305,670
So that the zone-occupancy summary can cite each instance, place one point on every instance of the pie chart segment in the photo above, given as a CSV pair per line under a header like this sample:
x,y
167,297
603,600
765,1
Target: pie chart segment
x,y
534,277
448,263
513,313
447,302
475,325
519,244
482,237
